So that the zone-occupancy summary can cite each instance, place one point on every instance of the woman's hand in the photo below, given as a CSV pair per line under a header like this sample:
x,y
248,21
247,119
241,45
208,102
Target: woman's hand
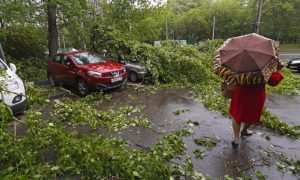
x,y
280,67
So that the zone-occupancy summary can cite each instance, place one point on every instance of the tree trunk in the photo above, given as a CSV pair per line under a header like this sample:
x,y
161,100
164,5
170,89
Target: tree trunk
x,y
52,29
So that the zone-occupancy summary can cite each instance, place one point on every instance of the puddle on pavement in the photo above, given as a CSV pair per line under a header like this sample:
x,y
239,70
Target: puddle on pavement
x,y
222,159
285,107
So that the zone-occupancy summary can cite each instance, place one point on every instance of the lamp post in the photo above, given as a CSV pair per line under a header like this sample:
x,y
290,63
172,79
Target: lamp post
x,y
258,17
214,21
2,53
63,39
167,36
214,24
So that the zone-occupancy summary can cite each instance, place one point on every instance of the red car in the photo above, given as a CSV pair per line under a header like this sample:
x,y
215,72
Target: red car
x,y
85,71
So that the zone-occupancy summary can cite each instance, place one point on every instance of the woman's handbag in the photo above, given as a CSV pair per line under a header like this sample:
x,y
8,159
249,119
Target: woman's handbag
x,y
226,89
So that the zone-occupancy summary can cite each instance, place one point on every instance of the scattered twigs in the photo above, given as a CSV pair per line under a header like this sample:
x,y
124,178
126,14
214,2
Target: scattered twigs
x,y
157,132
15,126
19,121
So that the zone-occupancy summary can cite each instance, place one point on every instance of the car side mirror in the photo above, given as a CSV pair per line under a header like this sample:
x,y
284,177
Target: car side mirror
x,y
13,67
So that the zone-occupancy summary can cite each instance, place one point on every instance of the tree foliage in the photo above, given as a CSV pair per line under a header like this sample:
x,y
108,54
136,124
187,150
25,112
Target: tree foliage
x,y
24,42
281,20
142,20
120,26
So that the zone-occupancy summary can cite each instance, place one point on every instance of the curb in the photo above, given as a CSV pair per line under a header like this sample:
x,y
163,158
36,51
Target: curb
x,y
41,82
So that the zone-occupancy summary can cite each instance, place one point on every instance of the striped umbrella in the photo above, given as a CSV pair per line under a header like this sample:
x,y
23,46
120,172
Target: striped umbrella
x,y
247,59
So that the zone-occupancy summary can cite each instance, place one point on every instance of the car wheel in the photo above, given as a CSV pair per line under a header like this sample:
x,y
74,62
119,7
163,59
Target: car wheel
x,y
82,87
133,77
51,80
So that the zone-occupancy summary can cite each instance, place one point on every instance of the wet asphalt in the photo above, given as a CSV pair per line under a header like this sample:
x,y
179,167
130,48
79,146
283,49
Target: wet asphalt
x,y
286,56
255,153
285,107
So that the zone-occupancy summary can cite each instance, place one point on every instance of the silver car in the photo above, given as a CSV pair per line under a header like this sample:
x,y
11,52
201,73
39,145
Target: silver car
x,y
294,64
136,72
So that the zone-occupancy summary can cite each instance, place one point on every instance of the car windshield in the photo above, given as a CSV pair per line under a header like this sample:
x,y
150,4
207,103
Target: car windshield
x,y
87,58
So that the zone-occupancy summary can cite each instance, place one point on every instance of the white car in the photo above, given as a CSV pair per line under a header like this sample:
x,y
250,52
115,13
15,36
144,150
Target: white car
x,y
12,90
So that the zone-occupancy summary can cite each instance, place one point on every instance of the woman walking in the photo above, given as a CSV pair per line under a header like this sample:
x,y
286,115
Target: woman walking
x,y
247,104
248,62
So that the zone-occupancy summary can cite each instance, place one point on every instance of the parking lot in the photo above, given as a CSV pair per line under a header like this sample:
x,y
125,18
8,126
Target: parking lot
x,y
174,109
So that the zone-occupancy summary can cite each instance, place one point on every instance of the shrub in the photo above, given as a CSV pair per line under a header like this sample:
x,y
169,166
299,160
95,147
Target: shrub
x,y
105,37
209,46
31,69
167,63
24,42
173,63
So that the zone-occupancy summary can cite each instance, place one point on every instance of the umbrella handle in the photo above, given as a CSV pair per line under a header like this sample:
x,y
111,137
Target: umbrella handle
x,y
280,66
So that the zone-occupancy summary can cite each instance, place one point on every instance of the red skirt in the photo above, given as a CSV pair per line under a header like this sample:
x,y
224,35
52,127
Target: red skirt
x,y
247,103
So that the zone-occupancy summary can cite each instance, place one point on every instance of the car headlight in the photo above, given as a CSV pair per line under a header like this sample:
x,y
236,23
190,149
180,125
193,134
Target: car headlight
x,y
94,74
17,98
142,69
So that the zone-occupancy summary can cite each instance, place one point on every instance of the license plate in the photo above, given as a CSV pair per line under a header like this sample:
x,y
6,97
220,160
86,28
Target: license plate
x,y
116,79
294,66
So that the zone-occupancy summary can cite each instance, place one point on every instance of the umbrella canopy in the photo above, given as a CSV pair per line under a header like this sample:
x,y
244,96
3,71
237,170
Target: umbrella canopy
x,y
247,59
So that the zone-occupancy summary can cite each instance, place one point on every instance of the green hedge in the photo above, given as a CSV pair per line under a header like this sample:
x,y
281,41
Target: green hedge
x,y
24,42
32,69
